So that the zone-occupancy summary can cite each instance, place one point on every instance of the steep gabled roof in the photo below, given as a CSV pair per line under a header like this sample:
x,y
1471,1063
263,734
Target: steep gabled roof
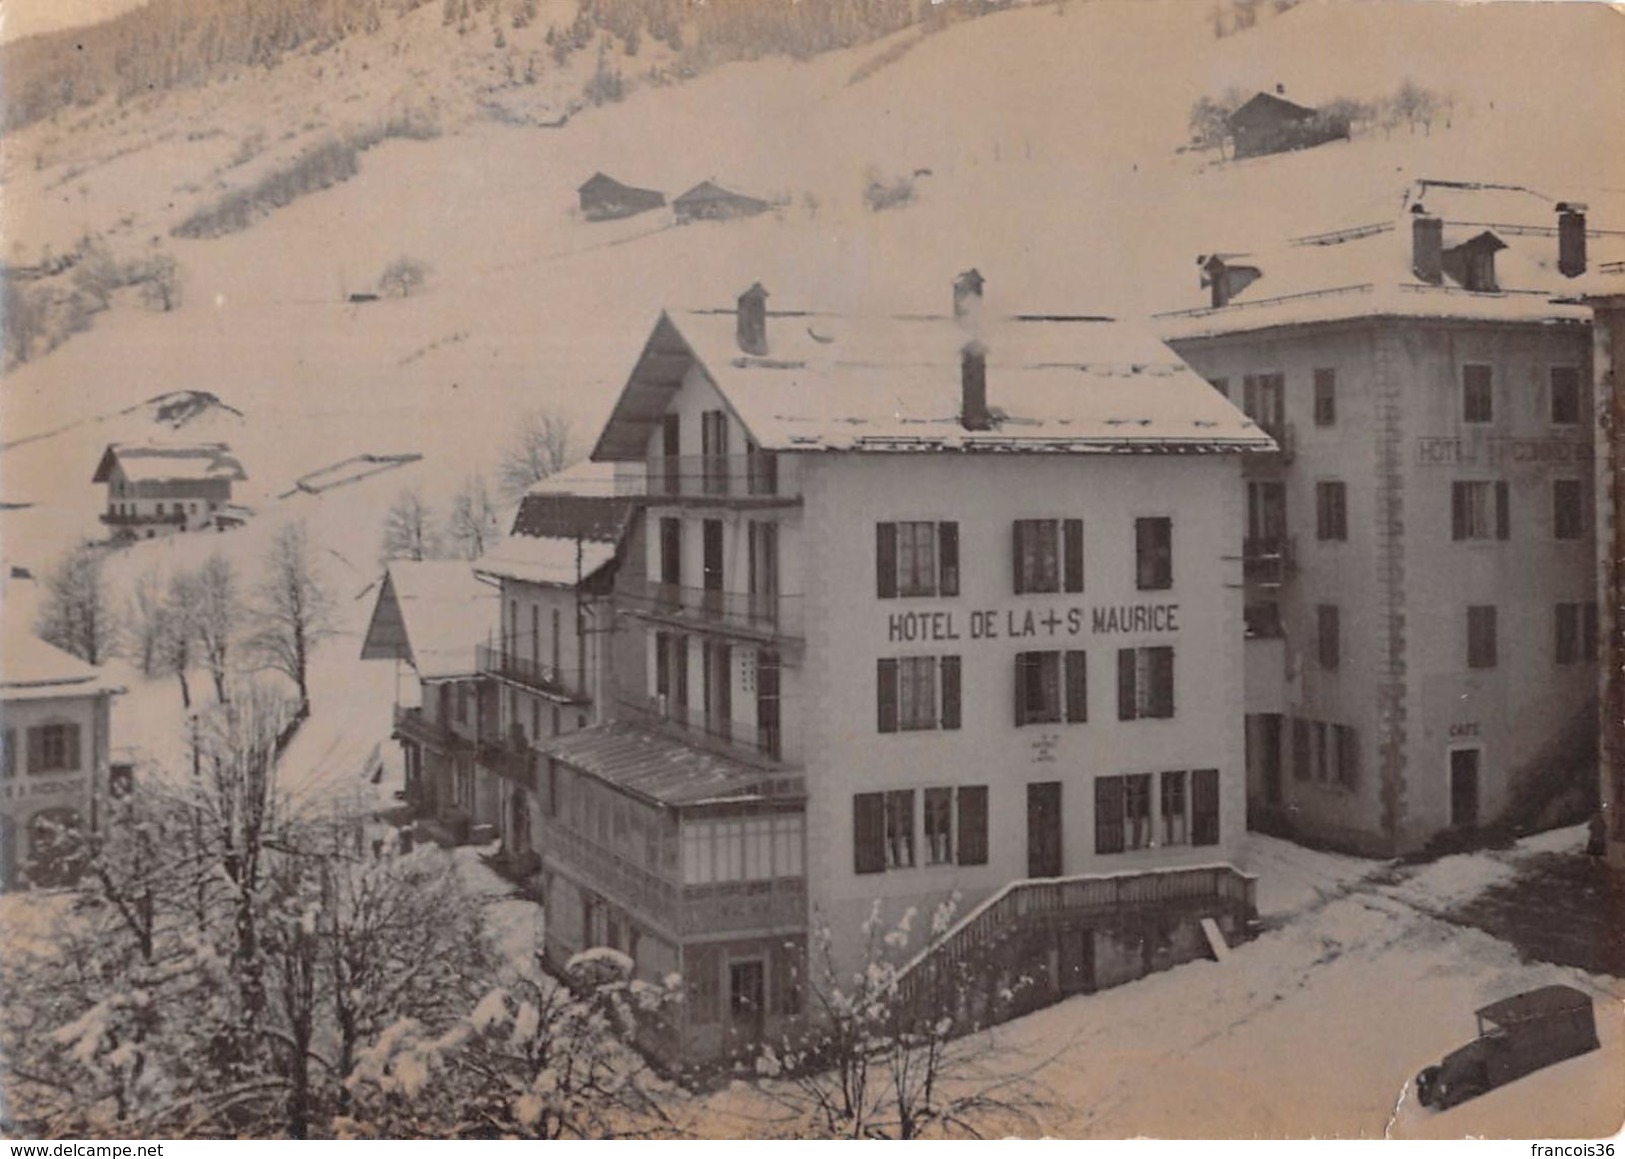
x,y
165,461
710,191
431,613
1267,106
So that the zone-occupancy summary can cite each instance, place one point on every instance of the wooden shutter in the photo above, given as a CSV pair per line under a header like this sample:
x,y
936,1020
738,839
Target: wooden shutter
x,y
868,833
950,692
1458,511
886,560
948,559
1077,687
972,834
1018,542
1161,675
1108,814
8,757
1021,688
1300,749
1072,549
1205,807
886,694
36,749
72,733
1125,684
1503,510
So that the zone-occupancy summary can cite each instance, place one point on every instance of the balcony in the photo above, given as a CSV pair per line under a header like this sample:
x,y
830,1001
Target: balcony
x,y
1286,442
412,725
759,617
774,904
131,519
1268,560
552,682
753,743
511,764
753,480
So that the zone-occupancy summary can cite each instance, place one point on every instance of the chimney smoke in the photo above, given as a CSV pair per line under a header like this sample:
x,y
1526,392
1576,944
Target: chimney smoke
x,y
752,321
968,296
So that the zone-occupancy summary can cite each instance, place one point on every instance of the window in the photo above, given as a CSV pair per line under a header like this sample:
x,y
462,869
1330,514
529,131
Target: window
x,y
1480,510
1331,510
1329,625
883,828
972,824
714,451
8,754
1047,555
939,826
671,553
1205,807
1565,395
1263,620
1175,830
917,692
1568,633
1477,395
1122,813
1481,636
1145,683
916,559
1263,400
900,829
671,674
755,848
717,664
1325,397
1052,686
1569,506
1154,553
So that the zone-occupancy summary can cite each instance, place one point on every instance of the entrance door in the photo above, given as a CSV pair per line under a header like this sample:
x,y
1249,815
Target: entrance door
x,y
1464,787
1044,829
1269,755
713,566
1077,961
747,998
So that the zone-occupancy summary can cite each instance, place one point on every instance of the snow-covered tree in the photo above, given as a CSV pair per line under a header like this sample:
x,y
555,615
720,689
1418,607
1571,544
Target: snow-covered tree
x,y
292,608
409,528
77,613
216,614
473,525
541,447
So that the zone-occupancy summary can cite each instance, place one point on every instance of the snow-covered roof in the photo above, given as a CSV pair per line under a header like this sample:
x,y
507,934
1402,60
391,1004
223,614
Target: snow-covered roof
x,y
545,559
831,382
656,767
166,461
583,478
31,669
432,613
1366,269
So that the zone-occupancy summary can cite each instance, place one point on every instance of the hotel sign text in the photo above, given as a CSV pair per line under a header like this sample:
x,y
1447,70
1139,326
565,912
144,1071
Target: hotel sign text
x,y
1014,624
1451,452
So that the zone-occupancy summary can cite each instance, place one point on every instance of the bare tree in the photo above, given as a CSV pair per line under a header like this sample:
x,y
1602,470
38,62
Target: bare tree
x,y
293,609
144,623
409,528
77,615
179,639
540,447
216,615
473,522
404,277
160,281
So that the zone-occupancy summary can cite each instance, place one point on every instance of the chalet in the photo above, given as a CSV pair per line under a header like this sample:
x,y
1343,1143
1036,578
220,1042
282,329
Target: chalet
x,y
430,615
1269,123
156,489
56,710
710,202
603,199
1420,553
804,713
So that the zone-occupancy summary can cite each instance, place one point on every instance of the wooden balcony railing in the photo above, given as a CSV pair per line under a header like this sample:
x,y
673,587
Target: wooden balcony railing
x,y
733,906
1268,560
755,476
495,660
132,519
767,616
411,724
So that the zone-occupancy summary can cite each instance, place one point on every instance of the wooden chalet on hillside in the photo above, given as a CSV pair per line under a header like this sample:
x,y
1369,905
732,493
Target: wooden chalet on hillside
x,y
605,199
1269,123
708,201
156,489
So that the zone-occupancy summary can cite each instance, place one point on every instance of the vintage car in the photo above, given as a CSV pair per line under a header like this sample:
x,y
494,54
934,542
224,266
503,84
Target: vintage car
x,y
1515,1036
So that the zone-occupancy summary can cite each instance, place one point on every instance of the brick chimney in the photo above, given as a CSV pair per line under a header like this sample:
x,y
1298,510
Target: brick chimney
x,y
973,412
1571,239
1427,247
968,296
1217,280
752,320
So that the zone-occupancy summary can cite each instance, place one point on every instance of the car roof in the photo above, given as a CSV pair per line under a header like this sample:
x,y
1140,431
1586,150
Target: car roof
x,y
1533,1004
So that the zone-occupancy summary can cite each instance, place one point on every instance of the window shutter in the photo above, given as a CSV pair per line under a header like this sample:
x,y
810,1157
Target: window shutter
x,y
1162,681
1017,547
1300,749
1125,684
1348,755
1077,687
1458,511
886,560
1503,510
973,825
72,732
868,833
1109,815
8,758
1205,807
36,749
950,692
948,559
886,694
1072,534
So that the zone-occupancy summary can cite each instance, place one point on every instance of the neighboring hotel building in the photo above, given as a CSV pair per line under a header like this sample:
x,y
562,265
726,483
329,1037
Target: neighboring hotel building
x,y
930,607
1421,565
55,711
159,489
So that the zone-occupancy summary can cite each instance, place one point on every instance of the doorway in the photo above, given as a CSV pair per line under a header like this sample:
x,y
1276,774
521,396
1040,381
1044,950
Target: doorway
x,y
1077,961
1464,787
1044,829
747,998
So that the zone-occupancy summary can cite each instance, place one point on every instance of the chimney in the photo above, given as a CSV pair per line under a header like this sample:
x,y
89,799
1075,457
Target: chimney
x,y
1427,247
973,413
1571,239
968,295
1280,89
752,320
1217,280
